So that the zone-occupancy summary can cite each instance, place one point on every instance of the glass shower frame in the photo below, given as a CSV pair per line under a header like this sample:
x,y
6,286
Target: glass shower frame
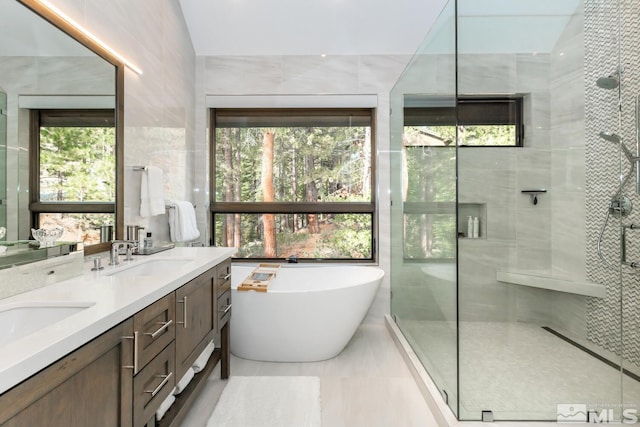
x,y
464,322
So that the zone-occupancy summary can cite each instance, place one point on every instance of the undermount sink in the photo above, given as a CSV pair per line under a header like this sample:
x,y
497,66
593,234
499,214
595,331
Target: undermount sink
x,y
21,319
157,267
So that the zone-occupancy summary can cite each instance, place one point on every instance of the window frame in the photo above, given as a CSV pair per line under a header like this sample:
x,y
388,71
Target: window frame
x,y
36,206
222,208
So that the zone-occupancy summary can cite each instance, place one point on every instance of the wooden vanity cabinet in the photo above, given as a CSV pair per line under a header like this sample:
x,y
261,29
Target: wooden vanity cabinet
x,y
89,387
195,320
121,377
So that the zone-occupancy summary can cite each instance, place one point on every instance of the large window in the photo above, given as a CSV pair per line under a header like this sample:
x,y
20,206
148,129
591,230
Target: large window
x,y
73,172
294,183
481,122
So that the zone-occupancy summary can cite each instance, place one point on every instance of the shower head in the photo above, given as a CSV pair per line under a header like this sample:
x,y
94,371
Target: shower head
x,y
616,139
610,82
611,137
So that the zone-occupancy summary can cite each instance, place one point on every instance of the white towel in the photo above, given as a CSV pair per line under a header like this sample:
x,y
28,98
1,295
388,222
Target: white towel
x,y
184,382
151,192
182,222
202,360
164,406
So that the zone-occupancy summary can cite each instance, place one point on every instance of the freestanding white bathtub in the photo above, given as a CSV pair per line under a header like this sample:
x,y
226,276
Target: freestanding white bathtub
x,y
307,314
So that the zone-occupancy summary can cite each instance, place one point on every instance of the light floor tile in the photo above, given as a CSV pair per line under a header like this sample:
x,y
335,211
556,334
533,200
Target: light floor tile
x,y
367,385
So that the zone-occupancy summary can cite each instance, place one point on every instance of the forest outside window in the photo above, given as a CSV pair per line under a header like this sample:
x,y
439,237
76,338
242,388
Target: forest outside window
x,y
294,183
480,121
73,172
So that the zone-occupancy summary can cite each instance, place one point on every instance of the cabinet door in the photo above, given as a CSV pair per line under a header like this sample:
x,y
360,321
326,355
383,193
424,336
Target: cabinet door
x,y
90,387
194,318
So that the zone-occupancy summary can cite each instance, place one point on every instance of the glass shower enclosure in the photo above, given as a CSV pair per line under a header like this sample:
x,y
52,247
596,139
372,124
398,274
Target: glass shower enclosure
x,y
515,270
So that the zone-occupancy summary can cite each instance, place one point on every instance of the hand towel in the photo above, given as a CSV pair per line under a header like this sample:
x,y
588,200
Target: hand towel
x,y
151,192
182,222
164,406
184,382
202,360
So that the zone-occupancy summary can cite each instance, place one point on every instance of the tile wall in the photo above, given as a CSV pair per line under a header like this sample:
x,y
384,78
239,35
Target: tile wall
x,y
159,104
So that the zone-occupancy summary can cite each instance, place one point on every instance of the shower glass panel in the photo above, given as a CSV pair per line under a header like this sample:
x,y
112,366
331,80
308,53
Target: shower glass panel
x,y
3,160
423,270
536,315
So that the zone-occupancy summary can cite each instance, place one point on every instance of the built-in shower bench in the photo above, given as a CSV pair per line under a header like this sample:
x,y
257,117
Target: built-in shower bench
x,y
537,279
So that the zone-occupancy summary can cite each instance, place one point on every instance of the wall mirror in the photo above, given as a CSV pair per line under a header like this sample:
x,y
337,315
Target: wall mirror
x,y
61,144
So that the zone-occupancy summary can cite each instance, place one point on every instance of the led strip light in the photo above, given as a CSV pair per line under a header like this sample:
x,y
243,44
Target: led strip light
x,y
86,32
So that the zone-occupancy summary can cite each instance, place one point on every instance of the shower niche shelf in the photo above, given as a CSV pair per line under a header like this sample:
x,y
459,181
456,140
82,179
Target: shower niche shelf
x,y
466,210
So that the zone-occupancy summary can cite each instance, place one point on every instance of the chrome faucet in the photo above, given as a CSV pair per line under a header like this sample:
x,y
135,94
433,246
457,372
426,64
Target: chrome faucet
x,y
292,259
115,251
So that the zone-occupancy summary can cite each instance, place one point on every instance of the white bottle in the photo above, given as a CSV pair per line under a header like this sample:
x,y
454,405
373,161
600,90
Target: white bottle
x,y
470,227
476,227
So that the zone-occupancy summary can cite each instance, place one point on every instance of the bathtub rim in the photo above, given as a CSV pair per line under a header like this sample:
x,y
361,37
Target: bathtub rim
x,y
379,277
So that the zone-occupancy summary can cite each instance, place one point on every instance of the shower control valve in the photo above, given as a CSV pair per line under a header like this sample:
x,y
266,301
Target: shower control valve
x,y
620,206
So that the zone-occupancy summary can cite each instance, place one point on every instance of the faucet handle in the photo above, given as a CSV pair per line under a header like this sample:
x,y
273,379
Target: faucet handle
x,y
97,263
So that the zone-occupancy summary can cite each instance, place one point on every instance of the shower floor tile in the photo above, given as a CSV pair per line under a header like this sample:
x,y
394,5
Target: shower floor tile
x,y
519,371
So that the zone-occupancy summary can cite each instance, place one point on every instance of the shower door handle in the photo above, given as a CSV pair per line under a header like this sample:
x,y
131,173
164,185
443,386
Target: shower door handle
x,y
623,245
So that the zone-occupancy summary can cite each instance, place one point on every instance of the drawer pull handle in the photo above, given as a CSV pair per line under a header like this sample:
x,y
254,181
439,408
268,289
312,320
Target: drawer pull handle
x,y
227,277
164,326
226,309
135,352
184,313
162,384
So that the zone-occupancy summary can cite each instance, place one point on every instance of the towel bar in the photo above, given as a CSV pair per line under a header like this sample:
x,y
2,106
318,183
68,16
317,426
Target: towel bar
x,y
174,206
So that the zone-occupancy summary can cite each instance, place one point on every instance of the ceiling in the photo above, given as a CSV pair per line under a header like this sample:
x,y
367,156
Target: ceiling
x,y
308,27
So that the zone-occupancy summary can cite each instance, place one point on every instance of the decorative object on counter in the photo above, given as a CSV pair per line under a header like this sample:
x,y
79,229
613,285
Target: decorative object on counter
x,y
534,194
151,191
182,221
45,237
148,241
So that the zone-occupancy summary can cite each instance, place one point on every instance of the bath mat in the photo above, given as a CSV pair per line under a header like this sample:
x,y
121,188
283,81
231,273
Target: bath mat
x,y
268,402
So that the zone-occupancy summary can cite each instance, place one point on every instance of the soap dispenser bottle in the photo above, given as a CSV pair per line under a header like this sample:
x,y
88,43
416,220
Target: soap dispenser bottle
x,y
148,241
476,227
470,227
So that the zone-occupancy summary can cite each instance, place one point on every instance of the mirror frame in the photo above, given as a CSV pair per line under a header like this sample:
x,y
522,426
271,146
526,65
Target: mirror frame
x,y
64,26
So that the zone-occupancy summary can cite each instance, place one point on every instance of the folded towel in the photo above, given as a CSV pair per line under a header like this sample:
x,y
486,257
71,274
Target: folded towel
x,y
164,406
182,222
184,382
202,360
151,192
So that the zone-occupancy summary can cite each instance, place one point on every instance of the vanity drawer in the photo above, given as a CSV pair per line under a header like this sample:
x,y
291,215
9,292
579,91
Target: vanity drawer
x,y
154,329
224,308
153,384
223,277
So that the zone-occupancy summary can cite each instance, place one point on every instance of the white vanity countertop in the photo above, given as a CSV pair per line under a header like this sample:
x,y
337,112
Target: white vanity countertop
x,y
116,299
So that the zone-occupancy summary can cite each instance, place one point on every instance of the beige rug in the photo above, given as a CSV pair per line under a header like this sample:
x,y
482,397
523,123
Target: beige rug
x,y
268,402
